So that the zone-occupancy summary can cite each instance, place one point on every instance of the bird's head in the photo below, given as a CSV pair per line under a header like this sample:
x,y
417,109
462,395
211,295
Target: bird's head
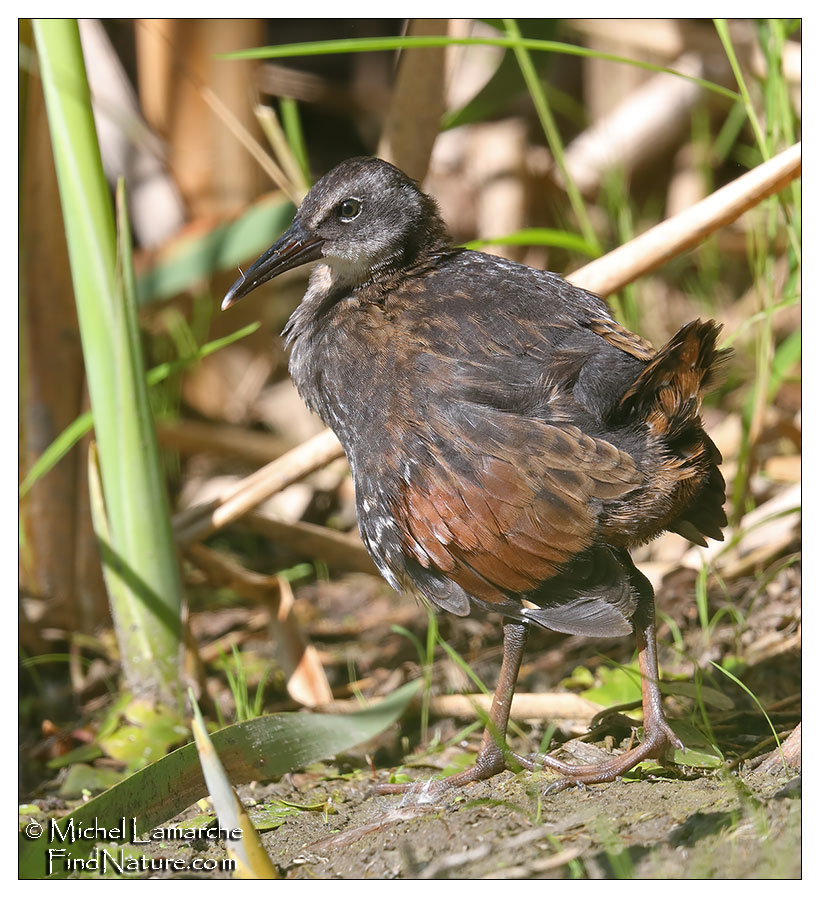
x,y
363,218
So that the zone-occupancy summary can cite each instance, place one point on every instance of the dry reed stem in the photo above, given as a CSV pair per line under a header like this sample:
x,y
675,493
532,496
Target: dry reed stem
x,y
344,551
526,706
789,752
417,104
198,522
252,145
187,436
672,237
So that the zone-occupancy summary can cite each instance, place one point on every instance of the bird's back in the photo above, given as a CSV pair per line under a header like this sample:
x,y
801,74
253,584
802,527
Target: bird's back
x,y
509,440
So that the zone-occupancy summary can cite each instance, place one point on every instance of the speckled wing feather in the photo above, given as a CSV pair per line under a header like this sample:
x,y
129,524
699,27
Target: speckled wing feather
x,y
621,338
504,502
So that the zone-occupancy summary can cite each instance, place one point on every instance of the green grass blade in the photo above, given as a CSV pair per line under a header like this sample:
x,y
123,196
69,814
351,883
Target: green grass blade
x,y
723,30
374,44
538,237
294,168
55,451
786,362
493,98
81,425
754,698
291,124
458,660
554,141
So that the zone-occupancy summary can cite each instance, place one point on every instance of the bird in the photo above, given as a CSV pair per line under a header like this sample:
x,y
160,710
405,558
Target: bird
x,y
509,441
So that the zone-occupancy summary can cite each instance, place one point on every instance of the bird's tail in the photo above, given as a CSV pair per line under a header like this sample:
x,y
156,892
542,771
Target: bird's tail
x,y
667,395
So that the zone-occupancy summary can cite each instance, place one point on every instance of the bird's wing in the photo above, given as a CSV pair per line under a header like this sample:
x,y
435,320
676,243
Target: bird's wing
x,y
621,338
499,503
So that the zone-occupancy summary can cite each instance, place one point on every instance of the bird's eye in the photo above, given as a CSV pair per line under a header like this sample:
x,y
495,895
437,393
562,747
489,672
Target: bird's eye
x,y
349,209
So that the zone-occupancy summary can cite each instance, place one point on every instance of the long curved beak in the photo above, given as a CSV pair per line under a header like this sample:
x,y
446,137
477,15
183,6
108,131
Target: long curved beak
x,y
294,248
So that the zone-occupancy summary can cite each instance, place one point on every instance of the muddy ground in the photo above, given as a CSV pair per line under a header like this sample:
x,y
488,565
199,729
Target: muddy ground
x,y
710,827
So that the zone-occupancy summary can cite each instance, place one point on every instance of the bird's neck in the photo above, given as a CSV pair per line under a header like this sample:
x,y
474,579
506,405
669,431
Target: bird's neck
x,y
315,333
310,318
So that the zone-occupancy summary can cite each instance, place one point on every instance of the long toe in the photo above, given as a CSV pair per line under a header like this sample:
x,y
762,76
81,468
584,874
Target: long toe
x,y
655,744
488,763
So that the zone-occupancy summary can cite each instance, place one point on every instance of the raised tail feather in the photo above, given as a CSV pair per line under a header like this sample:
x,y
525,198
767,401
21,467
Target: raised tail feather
x,y
668,395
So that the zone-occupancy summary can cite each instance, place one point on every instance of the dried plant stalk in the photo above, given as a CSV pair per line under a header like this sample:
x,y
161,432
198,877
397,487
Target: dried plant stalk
x,y
652,249
541,706
188,436
343,551
196,523
418,103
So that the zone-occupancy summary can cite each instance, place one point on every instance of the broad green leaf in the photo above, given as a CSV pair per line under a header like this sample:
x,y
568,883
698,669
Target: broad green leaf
x,y
273,814
262,749
84,780
86,753
149,733
616,686
198,822
579,677
698,751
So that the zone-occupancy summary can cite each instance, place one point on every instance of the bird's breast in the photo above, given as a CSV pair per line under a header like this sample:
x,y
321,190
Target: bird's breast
x,y
347,373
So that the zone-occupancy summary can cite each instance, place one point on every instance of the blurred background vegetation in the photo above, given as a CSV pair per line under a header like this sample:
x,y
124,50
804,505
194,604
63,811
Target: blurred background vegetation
x,y
547,153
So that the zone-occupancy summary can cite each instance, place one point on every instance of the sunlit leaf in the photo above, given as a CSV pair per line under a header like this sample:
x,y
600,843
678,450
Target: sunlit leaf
x,y
262,749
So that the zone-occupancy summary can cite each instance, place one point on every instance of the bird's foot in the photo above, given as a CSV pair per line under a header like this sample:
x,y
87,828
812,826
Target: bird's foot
x,y
490,761
658,739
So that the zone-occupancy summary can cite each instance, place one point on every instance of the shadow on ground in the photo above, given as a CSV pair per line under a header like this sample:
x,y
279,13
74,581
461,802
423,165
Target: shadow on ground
x,y
709,827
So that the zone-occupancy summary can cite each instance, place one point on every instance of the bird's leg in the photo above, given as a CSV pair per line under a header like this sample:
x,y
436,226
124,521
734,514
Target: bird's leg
x,y
493,751
658,735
